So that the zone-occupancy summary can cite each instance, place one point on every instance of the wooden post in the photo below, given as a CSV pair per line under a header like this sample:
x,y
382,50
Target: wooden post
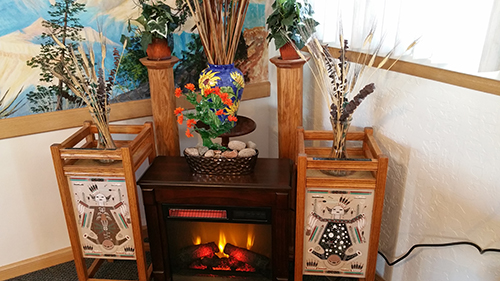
x,y
290,83
163,102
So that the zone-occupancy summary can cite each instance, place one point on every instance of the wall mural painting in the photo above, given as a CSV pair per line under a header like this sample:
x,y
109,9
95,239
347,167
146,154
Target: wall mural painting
x,y
27,50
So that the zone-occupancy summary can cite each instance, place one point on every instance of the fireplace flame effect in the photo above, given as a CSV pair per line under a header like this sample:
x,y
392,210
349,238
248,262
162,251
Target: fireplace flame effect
x,y
197,240
232,251
222,244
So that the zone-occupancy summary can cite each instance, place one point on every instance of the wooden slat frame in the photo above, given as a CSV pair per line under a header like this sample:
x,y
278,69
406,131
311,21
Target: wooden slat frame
x,y
81,163
58,120
375,179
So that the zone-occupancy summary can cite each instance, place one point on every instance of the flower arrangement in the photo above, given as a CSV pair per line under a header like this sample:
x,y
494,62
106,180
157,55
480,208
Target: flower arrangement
x,y
214,112
89,82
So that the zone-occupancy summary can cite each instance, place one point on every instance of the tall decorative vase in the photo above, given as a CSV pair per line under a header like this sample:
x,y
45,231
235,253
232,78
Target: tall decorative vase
x,y
339,142
229,79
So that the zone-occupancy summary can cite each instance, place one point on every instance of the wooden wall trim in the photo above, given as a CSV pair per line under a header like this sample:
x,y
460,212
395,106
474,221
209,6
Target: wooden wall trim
x,y
468,81
58,120
36,263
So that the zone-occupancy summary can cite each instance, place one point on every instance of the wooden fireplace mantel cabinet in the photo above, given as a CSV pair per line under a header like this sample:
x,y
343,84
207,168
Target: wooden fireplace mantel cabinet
x,y
169,181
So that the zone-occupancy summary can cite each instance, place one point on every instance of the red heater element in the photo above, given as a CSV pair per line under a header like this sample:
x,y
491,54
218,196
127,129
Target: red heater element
x,y
197,213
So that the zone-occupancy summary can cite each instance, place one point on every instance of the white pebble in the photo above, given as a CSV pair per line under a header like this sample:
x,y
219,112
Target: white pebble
x,y
209,153
236,145
192,151
251,144
202,150
247,152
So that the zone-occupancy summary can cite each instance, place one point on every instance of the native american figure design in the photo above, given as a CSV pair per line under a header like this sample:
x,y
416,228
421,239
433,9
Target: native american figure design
x,y
104,219
335,233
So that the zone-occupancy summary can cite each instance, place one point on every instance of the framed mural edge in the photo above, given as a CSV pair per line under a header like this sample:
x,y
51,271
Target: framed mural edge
x,y
24,90
59,120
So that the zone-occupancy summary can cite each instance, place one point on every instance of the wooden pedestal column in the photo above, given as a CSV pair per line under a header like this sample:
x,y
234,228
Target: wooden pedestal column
x,y
163,102
290,82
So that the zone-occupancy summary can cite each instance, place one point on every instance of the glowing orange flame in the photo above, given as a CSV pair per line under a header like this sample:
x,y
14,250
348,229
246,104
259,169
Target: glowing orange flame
x,y
250,240
197,240
222,244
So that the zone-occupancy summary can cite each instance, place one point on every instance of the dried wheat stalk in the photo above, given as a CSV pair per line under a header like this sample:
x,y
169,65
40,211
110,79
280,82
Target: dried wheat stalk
x,y
219,23
88,82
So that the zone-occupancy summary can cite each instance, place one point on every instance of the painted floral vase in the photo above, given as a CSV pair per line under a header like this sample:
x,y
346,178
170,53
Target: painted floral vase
x,y
229,79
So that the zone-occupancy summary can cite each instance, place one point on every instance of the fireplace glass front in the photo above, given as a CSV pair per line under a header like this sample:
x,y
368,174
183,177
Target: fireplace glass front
x,y
218,243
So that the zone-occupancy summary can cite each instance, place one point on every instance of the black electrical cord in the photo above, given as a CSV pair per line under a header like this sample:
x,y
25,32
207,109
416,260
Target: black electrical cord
x,y
481,251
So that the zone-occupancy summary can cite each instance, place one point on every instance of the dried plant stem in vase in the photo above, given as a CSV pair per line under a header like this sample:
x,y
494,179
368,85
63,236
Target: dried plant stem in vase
x,y
337,79
92,83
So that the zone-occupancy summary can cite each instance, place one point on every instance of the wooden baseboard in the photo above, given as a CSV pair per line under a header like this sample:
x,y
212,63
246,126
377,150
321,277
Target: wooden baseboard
x,y
36,263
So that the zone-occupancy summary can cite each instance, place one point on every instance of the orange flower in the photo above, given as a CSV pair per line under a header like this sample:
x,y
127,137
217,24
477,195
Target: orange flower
x,y
189,86
178,92
217,90
178,110
219,112
232,118
188,133
207,92
190,123
228,102
180,118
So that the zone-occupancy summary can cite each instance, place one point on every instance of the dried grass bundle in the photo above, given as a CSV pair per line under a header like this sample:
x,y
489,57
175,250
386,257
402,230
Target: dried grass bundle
x,y
338,77
86,78
219,23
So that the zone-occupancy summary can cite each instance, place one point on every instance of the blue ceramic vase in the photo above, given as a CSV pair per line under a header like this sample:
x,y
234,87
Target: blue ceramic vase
x,y
229,79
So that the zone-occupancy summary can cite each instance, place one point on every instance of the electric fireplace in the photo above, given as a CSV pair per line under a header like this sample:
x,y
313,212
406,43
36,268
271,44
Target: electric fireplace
x,y
205,227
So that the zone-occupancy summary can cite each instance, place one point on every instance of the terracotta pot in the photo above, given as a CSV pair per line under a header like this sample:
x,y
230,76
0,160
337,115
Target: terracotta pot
x,y
158,49
288,52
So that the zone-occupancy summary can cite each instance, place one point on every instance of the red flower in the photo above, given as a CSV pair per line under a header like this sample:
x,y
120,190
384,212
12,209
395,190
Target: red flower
x,y
180,118
178,110
232,118
190,123
217,91
219,112
188,133
178,92
228,102
189,86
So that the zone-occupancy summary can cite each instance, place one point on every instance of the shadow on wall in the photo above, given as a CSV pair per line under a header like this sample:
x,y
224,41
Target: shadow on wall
x,y
399,156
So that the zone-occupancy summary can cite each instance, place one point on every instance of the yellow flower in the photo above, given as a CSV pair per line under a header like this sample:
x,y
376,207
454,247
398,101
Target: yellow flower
x,y
208,79
233,108
238,78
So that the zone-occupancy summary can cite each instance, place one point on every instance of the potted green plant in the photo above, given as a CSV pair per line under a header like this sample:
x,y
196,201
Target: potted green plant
x,y
284,24
157,22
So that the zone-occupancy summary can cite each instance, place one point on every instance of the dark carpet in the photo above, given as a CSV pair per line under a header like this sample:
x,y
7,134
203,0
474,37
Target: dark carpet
x,y
118,269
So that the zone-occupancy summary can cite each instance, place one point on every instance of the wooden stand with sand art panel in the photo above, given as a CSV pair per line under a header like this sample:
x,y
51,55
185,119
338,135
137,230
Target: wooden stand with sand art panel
x,y
99,196
338,218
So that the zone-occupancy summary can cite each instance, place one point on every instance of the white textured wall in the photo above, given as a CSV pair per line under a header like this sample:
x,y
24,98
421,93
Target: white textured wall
x,y
443,185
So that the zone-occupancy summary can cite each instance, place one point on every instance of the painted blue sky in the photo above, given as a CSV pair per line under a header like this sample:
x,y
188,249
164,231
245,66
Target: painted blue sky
x,y
16,16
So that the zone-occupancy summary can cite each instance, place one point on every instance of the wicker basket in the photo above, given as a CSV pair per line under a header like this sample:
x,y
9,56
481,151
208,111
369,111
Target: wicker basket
x,y
222,166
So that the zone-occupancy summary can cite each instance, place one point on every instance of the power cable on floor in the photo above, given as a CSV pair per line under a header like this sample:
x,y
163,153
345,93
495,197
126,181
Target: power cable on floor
x,y
481,251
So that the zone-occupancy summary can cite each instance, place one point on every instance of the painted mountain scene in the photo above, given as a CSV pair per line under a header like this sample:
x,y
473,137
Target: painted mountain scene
x,y
28,50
